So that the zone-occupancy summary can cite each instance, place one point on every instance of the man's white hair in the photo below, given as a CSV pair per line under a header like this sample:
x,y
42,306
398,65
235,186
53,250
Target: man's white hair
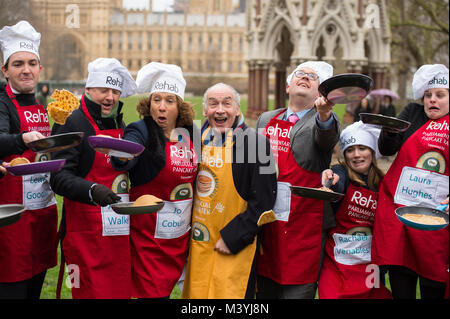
x,y
236,96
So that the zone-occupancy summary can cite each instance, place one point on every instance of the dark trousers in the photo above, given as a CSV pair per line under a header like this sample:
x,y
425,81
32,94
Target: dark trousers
x,y
25,289
404,282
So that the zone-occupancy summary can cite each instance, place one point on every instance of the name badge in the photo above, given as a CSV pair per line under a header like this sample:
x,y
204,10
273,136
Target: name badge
x,y
418,187
352,249
282,205
37,192
115,224
174,219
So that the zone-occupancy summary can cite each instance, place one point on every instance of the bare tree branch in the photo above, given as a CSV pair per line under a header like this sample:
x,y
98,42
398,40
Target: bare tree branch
x,y
427,6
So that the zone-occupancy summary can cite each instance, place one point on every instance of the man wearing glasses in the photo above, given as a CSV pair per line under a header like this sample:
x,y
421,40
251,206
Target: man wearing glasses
x,y
302,138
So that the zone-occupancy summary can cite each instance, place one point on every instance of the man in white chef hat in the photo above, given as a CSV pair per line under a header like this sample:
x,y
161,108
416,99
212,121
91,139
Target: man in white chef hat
x,y
302,137
89,184
21,67
26,247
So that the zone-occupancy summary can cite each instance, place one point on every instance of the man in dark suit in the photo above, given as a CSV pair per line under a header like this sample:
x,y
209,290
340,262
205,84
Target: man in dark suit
x,y
302,138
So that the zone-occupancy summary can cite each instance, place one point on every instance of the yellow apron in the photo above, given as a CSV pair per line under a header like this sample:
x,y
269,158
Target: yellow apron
x,y
210,274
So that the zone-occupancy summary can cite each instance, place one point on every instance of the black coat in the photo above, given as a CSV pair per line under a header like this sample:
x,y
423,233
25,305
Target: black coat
x,y
11,141
70,182
10,135
390,143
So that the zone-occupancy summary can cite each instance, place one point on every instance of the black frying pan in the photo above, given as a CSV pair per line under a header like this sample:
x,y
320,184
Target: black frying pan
x,y
10,213
56,142
346,88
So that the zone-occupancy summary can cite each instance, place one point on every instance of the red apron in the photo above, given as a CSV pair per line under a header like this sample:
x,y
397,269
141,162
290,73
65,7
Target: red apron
x,y
291,245
97,239
347,250
159,242
417,177
28,247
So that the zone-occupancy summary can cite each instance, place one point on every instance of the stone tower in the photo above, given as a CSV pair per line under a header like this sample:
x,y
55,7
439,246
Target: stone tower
x,y
352,35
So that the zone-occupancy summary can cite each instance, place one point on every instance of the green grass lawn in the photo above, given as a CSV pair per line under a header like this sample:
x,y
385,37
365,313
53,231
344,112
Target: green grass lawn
x,y
130,115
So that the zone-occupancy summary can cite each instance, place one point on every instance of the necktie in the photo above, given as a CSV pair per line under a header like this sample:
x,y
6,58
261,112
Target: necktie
x,y
293,118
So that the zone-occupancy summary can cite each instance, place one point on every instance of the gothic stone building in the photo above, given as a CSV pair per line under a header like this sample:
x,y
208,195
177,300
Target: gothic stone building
x,y
208,41
213,41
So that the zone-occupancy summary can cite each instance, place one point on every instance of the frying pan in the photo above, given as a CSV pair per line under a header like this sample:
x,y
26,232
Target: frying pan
x,y
346,88
385,121
438,211
128,209
10,213
315,193
56,142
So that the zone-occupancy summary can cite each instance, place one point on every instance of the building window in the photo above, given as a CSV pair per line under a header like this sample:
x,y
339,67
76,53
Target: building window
x,y
120,41
200,43
130,41
160,40
110,41
149,41
140,41
230,43
169,41
216,5
210,44
190,43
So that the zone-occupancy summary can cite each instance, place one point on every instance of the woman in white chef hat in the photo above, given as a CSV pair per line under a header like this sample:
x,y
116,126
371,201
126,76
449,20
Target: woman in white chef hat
x,y
347,248
27,247
167,169
417,177
94,237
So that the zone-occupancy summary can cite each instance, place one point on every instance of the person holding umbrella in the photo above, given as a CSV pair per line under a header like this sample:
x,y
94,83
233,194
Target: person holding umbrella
x,y
417,177
28,247
347,249
386,107
91,239
167,169
384,98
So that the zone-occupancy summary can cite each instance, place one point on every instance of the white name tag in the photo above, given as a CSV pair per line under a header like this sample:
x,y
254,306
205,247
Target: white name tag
x,y
115,224
282,205
418,187
174,219
352,249
37,193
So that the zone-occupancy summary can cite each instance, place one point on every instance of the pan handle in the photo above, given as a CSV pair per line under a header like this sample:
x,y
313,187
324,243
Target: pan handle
x,y
442,207
328,182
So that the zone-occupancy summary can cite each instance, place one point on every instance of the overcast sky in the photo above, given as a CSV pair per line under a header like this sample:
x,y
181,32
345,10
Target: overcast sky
x,y
158,5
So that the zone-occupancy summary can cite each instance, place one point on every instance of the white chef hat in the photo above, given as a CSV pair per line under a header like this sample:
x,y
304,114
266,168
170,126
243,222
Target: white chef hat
x,y
110,73
359,133
429,76
160,77
322,69
19,37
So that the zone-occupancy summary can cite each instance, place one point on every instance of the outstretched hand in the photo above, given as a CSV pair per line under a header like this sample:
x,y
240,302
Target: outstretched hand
x,y
324,108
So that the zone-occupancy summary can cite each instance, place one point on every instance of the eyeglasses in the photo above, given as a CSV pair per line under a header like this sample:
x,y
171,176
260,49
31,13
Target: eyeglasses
x,y
311,76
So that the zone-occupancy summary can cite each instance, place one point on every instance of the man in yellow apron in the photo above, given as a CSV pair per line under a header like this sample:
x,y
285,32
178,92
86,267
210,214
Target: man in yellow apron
x,y
235,192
